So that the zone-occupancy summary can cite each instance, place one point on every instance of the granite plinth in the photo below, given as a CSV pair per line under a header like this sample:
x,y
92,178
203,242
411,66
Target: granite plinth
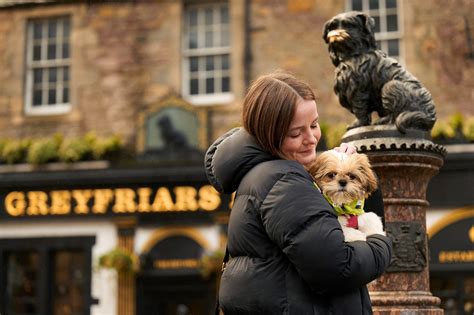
x,y
404,164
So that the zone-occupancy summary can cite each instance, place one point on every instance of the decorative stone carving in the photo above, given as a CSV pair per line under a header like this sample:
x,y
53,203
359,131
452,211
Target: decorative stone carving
x,y
409,246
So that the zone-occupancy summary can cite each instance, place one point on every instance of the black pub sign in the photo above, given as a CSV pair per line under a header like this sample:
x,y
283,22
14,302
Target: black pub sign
x,y
109,201
452,244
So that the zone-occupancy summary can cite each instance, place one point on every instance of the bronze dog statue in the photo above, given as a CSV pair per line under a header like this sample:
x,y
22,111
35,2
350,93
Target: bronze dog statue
x,y
367,81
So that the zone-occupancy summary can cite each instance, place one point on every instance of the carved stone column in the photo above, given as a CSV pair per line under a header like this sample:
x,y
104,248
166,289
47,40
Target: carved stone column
x,y
404,163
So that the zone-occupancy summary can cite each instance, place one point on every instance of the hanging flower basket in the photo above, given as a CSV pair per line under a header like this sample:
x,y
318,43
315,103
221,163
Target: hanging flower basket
x,y
122,261
211,263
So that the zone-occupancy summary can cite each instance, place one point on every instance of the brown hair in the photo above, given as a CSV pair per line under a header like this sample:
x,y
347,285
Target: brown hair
x,y
269,107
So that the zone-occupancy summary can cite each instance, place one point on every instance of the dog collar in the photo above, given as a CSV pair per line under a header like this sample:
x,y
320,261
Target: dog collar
x,y
354,208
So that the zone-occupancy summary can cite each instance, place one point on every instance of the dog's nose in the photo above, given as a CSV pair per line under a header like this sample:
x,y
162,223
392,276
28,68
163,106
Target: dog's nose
x,y
333,33
343,182
337,35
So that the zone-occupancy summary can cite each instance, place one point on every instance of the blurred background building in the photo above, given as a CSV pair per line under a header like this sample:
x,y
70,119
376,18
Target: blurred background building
x,y
106,109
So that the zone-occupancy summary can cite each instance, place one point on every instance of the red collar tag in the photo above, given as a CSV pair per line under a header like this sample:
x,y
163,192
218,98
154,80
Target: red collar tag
x,y
352,222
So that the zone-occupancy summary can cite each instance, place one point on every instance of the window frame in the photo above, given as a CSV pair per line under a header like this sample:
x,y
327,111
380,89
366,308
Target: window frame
x,y
383,36
45,246
57,63
203,99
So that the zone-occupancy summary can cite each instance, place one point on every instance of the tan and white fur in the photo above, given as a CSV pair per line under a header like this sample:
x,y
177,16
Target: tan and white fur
x,y
345,178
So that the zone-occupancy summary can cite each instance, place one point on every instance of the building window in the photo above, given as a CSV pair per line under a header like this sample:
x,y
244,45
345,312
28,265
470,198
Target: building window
x,y
68,282
206,54
387,23
21,285
48,66
46,276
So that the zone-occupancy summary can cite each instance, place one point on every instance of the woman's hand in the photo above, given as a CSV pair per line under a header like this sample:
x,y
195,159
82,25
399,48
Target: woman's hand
x,y
346,148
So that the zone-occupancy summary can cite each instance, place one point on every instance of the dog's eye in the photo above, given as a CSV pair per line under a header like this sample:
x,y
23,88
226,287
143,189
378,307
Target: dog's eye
x,y
332,175
351,176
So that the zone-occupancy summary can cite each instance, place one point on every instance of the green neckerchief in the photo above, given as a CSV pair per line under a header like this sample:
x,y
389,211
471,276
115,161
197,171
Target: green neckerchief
x,y
354,208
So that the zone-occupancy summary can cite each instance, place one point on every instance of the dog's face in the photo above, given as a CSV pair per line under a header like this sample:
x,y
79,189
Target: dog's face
x,y
343,178
349,34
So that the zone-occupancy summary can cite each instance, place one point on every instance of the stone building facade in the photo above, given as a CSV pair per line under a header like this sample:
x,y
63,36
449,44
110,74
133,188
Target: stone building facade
x,y
127,55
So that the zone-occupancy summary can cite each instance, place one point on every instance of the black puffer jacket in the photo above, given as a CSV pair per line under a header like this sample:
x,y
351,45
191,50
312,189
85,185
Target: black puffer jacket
x,y
288,254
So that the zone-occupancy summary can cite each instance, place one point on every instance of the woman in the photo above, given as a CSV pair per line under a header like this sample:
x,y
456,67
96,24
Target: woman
x,y
288,254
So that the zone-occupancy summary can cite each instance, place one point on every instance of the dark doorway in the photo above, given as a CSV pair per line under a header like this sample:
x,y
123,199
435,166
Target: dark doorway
x,y
175,295
456,290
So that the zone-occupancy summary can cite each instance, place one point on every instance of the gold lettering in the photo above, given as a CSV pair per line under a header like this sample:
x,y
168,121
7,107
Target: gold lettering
x,y
209,198
144,199
124,200
37,203
15,203
185,198
176,263
102,198
163,201
456,256
82,198
60,202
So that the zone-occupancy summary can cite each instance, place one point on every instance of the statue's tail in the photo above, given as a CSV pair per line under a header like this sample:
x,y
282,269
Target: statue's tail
x,y
423,119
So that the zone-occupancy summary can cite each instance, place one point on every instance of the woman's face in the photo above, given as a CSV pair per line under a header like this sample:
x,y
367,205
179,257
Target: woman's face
x,y
303,135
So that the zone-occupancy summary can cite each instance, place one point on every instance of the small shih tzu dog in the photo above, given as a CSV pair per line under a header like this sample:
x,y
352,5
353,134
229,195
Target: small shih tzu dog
x,y
345,181
367,81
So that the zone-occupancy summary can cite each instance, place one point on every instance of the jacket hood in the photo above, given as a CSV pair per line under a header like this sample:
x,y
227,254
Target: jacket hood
x,y
230,157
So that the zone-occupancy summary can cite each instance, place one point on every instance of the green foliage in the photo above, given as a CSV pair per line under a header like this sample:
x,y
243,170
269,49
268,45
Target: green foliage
x,y
332,134
120,260
211,262
3,142
104,148
73,150
468,129
57,148
455,128
44,150
15,151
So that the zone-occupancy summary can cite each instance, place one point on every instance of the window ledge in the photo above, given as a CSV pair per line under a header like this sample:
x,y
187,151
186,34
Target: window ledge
x,y
48,110
210,100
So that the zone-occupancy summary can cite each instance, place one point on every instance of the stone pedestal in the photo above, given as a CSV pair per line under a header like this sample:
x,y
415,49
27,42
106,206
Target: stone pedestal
x,y
404,163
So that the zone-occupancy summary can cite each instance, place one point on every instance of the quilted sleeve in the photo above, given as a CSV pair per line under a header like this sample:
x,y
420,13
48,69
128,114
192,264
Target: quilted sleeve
x,y
303,225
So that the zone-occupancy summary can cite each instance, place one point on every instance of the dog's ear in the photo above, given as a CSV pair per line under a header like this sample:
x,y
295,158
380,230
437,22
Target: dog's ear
x,y
326,31
317,168
370,179
367,21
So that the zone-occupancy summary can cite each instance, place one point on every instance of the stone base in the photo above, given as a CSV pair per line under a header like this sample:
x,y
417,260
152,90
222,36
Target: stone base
x,y
404,163
386,138
406,303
